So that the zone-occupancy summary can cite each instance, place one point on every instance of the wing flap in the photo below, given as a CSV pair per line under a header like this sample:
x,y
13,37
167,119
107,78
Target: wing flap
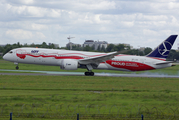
x,y
99,59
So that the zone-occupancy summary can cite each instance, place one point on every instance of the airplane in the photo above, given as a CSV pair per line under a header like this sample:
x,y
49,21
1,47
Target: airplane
x,y
72,60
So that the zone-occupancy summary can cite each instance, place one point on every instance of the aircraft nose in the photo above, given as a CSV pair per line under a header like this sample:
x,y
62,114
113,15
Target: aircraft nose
x,y
5,57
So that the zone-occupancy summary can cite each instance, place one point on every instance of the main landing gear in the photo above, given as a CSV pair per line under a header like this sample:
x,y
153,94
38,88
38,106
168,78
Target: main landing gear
x,y
89,68
89,73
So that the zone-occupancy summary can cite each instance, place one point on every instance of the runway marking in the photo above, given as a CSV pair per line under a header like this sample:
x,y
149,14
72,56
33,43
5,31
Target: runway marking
x,y
57,73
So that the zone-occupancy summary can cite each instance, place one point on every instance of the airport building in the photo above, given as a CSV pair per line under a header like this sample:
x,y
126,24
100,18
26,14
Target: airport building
x,y
70,45
95,44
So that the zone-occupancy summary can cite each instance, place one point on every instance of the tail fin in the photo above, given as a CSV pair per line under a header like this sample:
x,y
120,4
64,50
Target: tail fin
x,y
163,49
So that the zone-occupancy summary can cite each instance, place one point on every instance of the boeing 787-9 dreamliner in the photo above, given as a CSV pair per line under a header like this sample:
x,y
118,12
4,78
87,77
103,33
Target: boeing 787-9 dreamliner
x,y
72,60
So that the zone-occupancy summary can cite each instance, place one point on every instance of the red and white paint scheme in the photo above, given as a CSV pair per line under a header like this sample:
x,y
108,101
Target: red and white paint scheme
x,y
72,60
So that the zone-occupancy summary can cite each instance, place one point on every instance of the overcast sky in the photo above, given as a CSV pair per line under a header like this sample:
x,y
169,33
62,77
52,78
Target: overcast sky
x,y
144,23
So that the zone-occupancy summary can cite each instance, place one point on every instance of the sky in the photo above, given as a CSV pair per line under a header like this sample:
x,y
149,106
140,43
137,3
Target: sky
x,y
140,23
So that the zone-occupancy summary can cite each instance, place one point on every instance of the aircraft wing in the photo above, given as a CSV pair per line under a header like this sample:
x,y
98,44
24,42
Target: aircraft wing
x,y
98,59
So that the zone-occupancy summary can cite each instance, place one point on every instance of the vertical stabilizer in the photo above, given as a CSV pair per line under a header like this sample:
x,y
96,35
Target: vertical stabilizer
x,y
164,48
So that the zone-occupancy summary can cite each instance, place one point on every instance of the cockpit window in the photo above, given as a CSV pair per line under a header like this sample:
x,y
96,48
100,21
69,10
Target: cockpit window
x,y
10,52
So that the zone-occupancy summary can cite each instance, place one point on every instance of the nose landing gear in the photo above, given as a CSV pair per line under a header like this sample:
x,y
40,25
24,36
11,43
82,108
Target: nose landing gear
x,y
17,67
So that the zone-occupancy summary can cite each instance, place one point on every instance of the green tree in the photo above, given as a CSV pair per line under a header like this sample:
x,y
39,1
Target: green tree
x,y
25,45
98,49
18,45
147,50
103,49
51,46
127,47
44,45
110,48
119,47
87,48
7,48
132,52
1,49
172,55
176,56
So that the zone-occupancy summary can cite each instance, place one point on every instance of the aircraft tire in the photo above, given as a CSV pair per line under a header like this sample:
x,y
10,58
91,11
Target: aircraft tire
x,y
17,67
86,73
89,73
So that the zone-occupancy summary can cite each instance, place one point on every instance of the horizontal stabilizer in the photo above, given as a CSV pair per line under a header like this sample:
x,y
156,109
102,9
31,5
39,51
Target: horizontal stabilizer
x,y
166,62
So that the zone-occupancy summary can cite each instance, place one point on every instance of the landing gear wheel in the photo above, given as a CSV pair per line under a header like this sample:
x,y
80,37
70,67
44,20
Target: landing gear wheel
x,y
17,67
89,73
92,73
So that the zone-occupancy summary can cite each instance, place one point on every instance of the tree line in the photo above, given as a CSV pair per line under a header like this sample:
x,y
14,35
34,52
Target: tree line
x,y
110,48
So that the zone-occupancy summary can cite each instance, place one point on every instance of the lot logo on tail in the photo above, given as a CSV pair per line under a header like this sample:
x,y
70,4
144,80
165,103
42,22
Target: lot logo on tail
x,y
164,48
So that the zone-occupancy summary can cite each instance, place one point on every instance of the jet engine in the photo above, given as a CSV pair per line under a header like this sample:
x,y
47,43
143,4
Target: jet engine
x,y
69,64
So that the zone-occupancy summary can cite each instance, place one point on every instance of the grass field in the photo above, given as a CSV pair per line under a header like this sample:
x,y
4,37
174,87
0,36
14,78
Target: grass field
x,y
89,94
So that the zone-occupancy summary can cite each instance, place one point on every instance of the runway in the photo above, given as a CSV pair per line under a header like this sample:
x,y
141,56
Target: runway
x,y
57,73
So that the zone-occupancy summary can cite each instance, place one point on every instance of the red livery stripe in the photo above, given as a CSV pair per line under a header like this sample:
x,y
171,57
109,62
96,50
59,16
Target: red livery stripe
x,y
23,56
132,66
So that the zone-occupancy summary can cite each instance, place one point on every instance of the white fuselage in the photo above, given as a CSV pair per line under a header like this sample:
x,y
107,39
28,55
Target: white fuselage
x,y
54,57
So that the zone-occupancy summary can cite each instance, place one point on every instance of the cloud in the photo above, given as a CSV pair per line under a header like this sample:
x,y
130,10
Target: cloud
x,y
123,21
27,1
35,26
20,34
96,5
40,35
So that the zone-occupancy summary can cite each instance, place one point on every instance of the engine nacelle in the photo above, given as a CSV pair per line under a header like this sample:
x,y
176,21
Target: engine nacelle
x,y
69,64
